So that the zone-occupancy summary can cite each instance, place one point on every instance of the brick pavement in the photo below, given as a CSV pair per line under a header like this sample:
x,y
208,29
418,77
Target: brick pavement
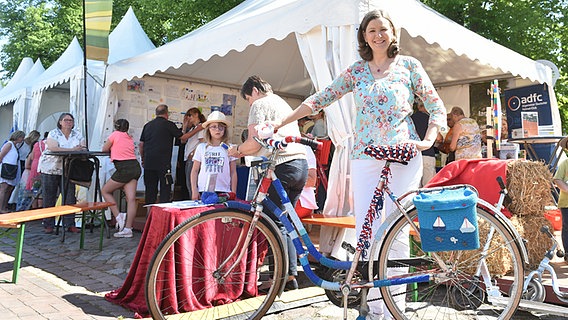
x,y
59,281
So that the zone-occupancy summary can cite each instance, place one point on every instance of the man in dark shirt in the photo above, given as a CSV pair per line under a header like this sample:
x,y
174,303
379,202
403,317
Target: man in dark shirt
x,y
156,144
420,119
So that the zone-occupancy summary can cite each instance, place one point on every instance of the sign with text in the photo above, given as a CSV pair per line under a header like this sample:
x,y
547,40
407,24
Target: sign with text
x,y
528,112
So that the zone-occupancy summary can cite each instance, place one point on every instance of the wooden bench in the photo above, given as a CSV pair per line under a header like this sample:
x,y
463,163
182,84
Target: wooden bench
x,y
12,225
321,220
15,223
95,211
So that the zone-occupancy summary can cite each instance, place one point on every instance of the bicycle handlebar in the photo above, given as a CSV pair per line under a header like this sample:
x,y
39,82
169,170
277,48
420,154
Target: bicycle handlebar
x,y
501,183
282,144
305,141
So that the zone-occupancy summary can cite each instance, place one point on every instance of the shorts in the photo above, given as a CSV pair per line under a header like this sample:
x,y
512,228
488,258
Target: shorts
x,y
126,170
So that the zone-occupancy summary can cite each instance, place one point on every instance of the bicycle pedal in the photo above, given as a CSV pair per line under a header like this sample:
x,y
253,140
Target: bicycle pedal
x,y
347,246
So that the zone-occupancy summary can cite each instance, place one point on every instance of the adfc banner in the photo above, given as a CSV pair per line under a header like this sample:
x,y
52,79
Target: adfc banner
x,y
98,16
528,112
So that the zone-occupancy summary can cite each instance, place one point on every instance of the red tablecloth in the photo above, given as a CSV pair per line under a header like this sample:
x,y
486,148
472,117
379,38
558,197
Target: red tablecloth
x,y
480,173
179,287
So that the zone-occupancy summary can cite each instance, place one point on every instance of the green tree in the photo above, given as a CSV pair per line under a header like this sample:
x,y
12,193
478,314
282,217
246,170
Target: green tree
x,y
167,20
36,29
533,28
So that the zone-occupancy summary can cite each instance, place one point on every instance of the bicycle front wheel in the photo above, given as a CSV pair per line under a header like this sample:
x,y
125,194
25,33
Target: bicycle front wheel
x,y
200,271
485,283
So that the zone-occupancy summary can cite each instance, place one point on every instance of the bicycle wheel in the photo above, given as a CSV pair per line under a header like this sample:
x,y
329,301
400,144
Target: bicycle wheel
x,y
475,286
188,278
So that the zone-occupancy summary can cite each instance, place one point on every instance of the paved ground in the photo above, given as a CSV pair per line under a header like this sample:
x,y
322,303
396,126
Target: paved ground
x,y
59,281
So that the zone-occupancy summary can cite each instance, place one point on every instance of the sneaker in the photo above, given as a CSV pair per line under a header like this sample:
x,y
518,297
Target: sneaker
x,y
125,233
120,220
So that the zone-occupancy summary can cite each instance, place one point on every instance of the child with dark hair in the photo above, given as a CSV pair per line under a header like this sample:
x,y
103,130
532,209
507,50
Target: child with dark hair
x,y
121,147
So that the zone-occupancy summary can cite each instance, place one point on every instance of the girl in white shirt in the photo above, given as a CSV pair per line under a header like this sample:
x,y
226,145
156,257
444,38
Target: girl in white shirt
x,y
211,159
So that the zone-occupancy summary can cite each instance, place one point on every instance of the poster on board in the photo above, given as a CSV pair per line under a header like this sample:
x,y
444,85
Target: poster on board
x,y
529,112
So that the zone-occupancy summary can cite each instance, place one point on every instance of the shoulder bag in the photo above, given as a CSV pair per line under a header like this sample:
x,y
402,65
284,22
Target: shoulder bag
x,y
10,171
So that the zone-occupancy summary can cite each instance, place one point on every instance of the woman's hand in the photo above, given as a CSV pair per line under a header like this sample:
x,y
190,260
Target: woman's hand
x,y
422,144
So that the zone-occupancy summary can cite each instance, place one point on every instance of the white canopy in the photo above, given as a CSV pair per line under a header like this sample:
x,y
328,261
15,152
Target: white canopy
x,y
299,46
258,36
18,80
14,97
128,39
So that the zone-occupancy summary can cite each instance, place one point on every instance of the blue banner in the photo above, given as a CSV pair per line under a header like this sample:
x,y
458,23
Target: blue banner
x,y
529,112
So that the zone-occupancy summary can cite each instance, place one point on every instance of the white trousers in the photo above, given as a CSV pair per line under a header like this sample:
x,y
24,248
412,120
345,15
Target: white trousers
x,y
365,176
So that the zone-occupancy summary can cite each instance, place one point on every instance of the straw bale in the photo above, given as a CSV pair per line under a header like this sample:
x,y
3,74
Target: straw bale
x,y
529,184
498,259
537,243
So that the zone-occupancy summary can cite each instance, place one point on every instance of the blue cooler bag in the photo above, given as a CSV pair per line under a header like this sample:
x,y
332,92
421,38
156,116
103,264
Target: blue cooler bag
x,y
448,219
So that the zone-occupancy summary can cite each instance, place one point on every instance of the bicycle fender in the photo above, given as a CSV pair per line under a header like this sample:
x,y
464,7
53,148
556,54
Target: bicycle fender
x,y
238,205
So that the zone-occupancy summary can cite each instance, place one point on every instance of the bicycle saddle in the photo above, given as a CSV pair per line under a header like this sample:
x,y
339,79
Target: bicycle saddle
x,y
401,153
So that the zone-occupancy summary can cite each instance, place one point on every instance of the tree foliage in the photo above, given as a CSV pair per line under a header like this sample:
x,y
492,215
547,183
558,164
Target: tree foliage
x,y
533,28
36,29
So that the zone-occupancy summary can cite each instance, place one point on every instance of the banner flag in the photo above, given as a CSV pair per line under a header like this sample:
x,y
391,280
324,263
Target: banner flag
x,y
98,16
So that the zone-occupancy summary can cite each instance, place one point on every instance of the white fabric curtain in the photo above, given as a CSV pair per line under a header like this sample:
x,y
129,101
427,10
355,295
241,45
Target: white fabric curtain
x,y
34,110
326,52
77,103
21,112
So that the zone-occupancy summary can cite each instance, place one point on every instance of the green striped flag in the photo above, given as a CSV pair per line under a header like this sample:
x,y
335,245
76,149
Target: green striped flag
x,y
98,16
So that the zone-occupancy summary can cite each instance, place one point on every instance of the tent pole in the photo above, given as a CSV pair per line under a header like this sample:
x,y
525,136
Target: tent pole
x,y
85,73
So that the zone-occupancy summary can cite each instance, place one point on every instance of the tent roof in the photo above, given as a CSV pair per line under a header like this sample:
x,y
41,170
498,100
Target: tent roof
x,y
128,39
258,37
25,66
12,92
67,66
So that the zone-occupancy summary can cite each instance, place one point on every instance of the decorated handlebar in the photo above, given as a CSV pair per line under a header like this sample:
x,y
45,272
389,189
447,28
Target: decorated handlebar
x,y
282,144
265,137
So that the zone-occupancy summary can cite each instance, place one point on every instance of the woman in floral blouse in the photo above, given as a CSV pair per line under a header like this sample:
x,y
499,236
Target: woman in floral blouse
x,y
383,84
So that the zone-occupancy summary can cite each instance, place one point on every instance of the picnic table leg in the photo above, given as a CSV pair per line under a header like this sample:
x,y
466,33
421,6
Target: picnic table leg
x,y
18,255
82,240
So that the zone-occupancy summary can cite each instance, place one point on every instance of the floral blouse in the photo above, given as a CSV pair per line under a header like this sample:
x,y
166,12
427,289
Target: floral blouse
x,y
383,105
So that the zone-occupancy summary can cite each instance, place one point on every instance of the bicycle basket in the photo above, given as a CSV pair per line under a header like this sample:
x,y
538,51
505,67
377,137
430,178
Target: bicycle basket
x,y
448,219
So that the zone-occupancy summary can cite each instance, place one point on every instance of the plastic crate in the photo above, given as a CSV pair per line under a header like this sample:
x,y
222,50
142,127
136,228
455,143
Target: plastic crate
x,y
448,219
555,218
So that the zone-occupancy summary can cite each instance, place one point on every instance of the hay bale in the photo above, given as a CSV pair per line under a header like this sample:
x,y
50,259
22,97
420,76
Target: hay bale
x,y
537,242
498,258
529,184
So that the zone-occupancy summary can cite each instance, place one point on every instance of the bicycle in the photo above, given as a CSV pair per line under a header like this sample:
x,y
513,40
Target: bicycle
x,y
449,284
533,289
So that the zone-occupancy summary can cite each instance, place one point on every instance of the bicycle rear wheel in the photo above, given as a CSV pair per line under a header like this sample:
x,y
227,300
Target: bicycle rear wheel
x,y
474,286
187,278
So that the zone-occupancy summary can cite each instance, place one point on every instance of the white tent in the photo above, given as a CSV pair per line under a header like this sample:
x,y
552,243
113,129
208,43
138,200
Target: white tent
x,y
60,88
128,39
7,106
299,46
